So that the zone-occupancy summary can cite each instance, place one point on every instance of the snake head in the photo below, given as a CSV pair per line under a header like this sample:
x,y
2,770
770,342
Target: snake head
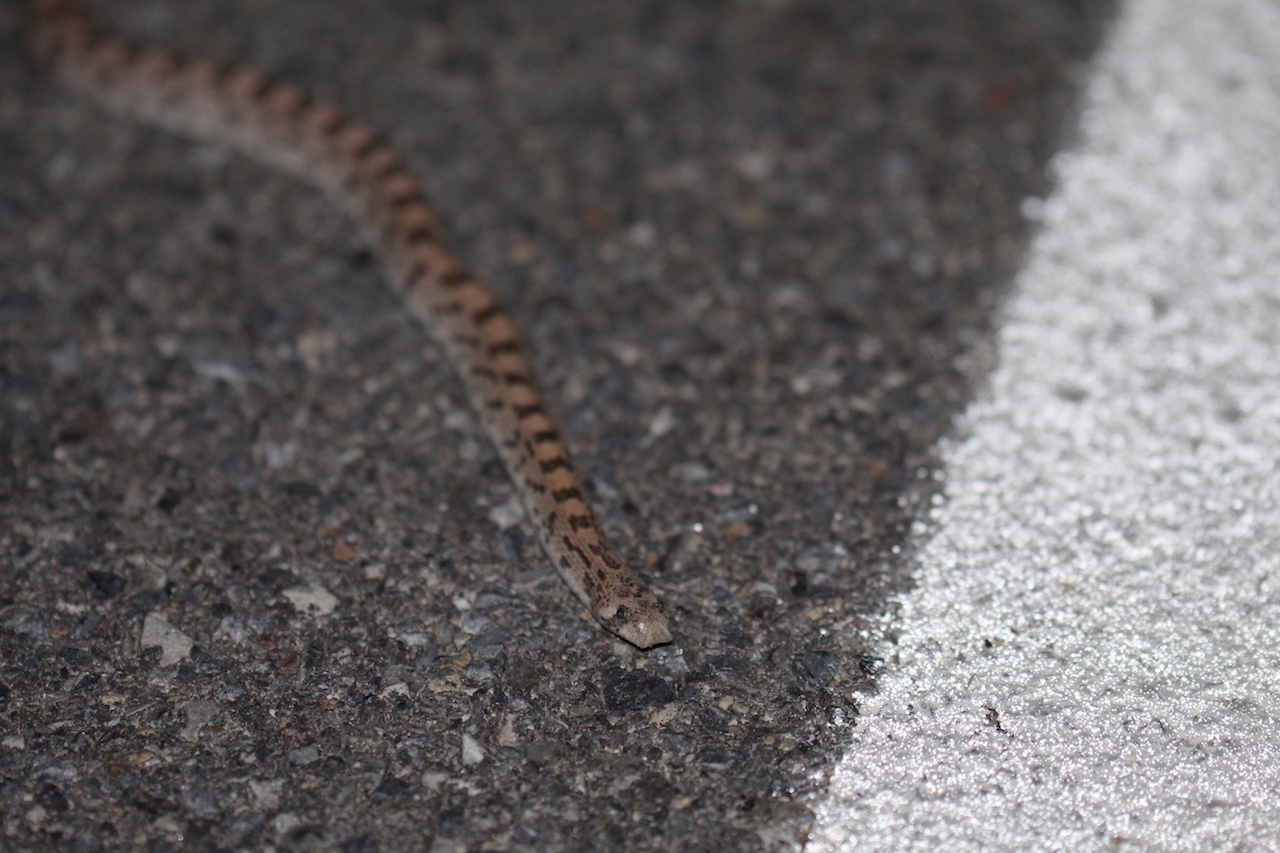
x,y
640,621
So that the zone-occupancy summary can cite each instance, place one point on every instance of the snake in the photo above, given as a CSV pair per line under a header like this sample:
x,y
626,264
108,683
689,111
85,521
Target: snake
x,y
278,124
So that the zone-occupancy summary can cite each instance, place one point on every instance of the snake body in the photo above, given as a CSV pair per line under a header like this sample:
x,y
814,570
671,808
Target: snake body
x,y
278,124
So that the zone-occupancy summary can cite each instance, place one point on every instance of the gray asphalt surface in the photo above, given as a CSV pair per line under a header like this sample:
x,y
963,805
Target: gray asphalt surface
x,y
1090,660
262,585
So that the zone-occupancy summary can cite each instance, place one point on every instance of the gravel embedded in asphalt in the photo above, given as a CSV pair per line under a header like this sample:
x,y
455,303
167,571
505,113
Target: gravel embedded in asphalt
x,y
262,583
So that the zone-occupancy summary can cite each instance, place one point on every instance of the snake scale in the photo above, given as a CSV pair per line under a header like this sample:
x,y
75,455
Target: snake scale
x,y
278,124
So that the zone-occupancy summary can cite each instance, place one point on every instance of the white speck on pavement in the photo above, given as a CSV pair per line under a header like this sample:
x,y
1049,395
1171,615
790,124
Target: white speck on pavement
x,y
312,598
472,752
1091,660
157,633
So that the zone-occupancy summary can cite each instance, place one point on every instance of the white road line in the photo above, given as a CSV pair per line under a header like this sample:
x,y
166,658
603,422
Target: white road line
x,y
1092,658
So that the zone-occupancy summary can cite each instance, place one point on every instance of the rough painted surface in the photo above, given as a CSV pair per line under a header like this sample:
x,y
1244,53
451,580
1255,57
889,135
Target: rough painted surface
x,y
1092,659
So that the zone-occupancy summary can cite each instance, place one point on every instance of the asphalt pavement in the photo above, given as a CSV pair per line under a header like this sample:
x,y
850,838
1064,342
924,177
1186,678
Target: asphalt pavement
x,y
263,584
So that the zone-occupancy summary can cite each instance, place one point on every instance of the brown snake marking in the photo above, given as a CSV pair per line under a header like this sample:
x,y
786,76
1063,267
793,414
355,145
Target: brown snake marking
x,y
278,124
